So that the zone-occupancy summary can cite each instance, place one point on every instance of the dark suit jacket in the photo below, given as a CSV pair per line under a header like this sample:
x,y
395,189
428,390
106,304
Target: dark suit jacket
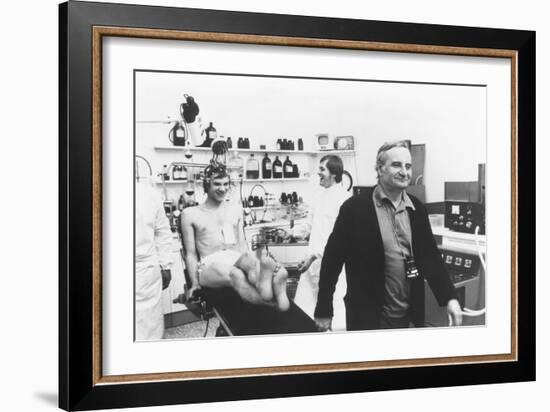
x,y
356,242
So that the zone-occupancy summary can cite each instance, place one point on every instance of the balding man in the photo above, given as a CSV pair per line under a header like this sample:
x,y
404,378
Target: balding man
x,y
384,238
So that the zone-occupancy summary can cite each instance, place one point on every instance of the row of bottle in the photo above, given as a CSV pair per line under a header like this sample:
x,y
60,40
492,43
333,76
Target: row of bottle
x,y
284,144
285,199
242,143
179,172
271,170
291,198
254,201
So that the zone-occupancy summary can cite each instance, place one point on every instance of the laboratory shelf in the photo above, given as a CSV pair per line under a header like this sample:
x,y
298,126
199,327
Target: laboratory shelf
x,y
283,244
274,224
272,205
175,182
288,179
274,151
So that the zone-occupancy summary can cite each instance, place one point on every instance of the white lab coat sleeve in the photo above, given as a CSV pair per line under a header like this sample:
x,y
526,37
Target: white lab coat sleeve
x,y
163,239
313,248
316,243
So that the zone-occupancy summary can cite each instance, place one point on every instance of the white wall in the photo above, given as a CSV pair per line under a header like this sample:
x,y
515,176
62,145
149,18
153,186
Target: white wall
x,y
29,167
449,120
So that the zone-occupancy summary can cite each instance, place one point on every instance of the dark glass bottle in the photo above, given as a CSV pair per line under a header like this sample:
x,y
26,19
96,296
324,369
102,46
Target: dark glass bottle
x,y
300,144
291,145
287,168
178,135
240,143
294,197
277,168
283,198
256,201
266,167
279,144
295,171
250,201
229,142
211,132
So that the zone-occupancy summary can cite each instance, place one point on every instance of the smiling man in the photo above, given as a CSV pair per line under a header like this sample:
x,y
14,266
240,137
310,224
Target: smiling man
x,y
216,253
384,238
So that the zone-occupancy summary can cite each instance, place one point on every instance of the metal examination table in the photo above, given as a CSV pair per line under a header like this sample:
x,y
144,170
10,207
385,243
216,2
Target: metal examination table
x,y
240,318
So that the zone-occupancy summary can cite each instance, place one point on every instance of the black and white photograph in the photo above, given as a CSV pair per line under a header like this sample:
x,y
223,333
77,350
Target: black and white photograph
x,y
263,205
271,206
277,204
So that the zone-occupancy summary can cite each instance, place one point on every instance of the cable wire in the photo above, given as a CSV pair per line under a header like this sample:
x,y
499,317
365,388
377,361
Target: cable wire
x,y
469,312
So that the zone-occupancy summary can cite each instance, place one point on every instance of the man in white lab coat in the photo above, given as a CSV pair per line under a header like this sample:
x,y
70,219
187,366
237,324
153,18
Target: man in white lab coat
x,y
325,208
153,248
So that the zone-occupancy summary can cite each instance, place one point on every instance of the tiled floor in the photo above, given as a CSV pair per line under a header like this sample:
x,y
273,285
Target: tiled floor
x,y
193,330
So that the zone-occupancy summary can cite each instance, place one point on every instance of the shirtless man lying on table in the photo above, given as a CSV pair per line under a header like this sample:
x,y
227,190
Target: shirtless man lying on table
x,y
216,253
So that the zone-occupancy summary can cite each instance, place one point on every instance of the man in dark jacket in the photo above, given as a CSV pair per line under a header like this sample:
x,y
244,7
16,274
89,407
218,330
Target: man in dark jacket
x,y
384,238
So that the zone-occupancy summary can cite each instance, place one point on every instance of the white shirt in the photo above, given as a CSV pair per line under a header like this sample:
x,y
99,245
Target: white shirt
x,y
324,212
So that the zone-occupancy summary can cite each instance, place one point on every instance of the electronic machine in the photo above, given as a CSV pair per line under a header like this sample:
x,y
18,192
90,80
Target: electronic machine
x,y
468,276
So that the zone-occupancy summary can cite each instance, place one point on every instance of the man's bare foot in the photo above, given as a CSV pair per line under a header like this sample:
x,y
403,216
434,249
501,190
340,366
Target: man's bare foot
x,y
248,264
279,288
246,291
267,267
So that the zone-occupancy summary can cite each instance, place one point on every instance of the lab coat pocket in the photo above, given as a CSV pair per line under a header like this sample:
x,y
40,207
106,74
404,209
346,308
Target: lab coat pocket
x,y
148,286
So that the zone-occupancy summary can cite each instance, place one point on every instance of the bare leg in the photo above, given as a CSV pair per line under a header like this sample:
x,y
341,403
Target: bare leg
x,y
249,265
279,288
277,281
217,275
267,265
245,290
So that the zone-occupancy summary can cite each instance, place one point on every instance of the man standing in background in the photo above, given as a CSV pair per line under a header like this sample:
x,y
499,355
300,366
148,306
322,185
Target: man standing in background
x,y
384,238
323,215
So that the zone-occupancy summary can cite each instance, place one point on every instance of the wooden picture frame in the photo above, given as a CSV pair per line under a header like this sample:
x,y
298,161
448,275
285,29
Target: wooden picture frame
x,y
83,26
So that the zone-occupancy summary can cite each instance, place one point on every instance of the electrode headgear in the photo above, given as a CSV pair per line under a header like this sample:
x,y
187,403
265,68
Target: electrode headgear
x,y
214,170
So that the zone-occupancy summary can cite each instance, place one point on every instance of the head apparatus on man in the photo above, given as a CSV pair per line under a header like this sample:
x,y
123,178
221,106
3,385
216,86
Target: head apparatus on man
x,y
213,171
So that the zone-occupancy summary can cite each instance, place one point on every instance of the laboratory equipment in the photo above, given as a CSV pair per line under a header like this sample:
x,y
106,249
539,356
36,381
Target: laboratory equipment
x,y
287,168
344,143
465,204
322,141
266,167
177,134
252,168
467,274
